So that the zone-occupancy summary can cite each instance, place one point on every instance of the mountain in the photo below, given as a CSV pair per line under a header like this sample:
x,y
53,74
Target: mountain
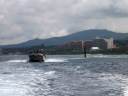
x,y
82,35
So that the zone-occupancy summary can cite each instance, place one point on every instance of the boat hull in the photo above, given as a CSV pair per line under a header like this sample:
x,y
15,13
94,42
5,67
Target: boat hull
x,y
36,58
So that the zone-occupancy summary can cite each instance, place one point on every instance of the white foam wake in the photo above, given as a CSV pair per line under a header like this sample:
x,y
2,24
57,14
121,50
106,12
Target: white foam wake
x,y
50,72
55,60
126,91
17,61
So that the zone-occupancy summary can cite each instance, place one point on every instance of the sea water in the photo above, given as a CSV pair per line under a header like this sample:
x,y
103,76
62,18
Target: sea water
x,y
64,75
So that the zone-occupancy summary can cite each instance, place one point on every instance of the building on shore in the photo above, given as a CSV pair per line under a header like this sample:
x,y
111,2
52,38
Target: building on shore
x,y
103,43
89,44
100,43
94,49
73,45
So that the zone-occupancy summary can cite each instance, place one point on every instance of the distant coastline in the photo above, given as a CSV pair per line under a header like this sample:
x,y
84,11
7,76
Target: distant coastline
x,y
81,35
55,51
122,48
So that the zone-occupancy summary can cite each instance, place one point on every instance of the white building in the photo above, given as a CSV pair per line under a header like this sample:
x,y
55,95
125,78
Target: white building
x,y
109,42
95,48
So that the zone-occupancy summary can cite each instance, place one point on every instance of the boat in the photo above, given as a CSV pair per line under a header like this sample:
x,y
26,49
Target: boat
x,y
37,56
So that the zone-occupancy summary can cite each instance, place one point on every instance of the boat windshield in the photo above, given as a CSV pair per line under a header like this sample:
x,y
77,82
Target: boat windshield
x,y
37,51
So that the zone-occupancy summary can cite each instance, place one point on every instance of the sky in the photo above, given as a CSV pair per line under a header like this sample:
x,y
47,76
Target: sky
x,y
22,20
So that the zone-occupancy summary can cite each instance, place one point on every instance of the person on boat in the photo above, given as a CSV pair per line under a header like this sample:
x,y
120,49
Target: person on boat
x,y
42,52
37,51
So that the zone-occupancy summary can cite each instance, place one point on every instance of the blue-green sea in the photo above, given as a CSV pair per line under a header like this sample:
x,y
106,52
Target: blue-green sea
x,y
64,75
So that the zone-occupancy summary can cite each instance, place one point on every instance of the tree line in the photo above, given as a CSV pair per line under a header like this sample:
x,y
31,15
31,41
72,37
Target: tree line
x,y
122,48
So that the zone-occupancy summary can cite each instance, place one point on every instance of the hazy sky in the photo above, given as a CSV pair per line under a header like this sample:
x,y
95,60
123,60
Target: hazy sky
x,y
22,20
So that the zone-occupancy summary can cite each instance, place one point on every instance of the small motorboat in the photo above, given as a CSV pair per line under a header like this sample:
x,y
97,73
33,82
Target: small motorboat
x,y
37,56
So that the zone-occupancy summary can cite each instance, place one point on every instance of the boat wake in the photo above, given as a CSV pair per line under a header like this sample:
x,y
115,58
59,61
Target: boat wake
x,y
126,91
47,60
18,61
115,82
55,60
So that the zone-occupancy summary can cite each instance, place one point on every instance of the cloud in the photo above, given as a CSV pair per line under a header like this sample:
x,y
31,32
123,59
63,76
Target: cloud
x,y
1,16
22,20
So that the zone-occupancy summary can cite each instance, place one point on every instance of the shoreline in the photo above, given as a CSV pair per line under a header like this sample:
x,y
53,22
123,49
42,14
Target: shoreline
x,y
73,54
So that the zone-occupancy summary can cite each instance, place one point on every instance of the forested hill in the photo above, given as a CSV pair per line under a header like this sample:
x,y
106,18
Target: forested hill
x,y
82,35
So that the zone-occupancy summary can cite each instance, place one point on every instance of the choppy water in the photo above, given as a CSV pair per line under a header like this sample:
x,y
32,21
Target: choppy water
x,y
64,75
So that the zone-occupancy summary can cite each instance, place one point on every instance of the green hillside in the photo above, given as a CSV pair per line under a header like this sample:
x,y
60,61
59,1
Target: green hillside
x,y
82,35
